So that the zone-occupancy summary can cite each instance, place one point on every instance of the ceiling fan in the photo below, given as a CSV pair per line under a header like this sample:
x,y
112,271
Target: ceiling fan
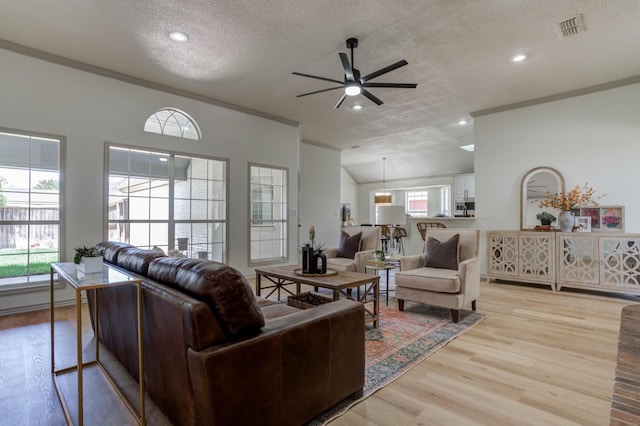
x,y
353,83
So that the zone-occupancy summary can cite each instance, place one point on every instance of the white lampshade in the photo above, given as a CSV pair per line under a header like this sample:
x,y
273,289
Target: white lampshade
x,y
391,215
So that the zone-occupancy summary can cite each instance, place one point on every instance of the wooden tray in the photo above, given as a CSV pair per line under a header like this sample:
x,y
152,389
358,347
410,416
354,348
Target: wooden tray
x,y
330,273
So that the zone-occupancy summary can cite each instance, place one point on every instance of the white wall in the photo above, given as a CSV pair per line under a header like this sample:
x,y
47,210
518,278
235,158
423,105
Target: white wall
x,y
594,138
349,192
88,110
320,194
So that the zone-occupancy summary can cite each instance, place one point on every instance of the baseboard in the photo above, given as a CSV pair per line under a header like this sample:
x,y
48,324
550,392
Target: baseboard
x,y
39,307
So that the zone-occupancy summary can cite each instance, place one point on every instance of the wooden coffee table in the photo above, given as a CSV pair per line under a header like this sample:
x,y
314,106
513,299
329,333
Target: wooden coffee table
x,y
341,285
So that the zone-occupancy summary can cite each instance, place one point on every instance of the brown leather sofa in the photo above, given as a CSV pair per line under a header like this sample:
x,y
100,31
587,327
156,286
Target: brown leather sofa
x,y
214,354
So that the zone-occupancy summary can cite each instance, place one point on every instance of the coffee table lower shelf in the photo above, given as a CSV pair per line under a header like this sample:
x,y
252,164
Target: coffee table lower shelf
x,y
342,285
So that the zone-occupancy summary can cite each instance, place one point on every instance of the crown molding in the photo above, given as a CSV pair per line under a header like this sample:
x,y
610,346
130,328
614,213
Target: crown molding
x,y
564,95
104,72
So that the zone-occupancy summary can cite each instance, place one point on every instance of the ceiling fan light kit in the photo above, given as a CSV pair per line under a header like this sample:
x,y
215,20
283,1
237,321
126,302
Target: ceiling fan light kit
x,y
353,83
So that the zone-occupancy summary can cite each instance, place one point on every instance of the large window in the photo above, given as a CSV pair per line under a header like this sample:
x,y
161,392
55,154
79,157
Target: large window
x,y
268,214
30,201
175,202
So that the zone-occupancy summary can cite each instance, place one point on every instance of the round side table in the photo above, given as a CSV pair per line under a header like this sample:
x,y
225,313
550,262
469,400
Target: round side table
x,y
381,267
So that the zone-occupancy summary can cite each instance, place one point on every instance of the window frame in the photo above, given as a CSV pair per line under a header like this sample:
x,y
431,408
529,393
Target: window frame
x,y
171,221
412,195
42,281
284,221
173,112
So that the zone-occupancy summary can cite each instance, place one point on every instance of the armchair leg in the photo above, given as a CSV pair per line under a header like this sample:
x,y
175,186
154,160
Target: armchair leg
x,y
401,305
454,315
473,305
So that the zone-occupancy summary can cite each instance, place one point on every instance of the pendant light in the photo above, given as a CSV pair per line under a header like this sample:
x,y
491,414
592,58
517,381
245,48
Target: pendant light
x,y
384,198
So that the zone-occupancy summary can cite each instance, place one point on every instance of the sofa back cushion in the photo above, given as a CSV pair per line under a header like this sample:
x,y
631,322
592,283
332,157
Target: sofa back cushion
x,y
223,288
112,249
136,260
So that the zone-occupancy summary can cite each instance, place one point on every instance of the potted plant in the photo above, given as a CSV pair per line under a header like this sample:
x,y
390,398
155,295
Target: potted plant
x,y
88,259
546,218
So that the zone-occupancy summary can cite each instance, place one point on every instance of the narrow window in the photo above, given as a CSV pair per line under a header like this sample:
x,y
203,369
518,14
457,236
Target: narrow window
x,y
268,214
30,207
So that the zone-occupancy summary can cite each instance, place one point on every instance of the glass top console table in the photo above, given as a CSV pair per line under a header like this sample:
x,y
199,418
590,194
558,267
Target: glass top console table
x,y
109,277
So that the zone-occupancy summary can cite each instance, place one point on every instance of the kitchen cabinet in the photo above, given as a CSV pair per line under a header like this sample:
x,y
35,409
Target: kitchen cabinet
x,y
464,186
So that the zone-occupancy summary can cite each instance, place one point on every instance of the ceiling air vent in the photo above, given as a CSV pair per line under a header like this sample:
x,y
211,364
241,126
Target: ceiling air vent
x,y
571,26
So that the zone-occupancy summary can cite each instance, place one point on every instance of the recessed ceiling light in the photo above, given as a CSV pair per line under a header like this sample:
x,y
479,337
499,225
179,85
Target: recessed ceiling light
x,y
462,122
357,107
469,148
518,58
163,159
178,36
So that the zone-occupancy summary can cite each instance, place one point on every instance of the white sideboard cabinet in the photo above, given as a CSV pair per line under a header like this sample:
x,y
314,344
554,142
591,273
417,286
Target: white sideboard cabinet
x,y
599,262
522,256
592,261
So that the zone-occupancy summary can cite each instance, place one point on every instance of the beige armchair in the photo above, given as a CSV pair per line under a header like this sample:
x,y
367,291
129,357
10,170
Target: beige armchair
x,y
449,288
369,242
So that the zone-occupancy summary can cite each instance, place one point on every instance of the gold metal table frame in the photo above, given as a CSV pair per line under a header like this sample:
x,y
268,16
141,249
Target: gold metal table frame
x,y
109,277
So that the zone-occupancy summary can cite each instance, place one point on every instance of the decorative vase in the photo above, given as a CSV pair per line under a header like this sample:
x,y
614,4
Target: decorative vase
x,y
322,269
90,265
566,221
307,259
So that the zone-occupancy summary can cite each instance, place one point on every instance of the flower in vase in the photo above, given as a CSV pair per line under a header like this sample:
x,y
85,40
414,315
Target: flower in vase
x,y
572,199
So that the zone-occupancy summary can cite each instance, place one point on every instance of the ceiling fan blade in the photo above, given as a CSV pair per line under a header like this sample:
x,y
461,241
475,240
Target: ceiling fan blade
x,y
394,85
341,100
348,72
319,91
384,70
371,97
317,78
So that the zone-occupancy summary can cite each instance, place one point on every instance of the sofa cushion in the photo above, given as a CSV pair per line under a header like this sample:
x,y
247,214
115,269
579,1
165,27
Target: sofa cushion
x,y
341,264
349,245
223,288
443,254
439,280
111,250
136,260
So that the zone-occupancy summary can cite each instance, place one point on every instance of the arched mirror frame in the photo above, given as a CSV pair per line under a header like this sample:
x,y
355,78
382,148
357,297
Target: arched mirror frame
x,y
524,200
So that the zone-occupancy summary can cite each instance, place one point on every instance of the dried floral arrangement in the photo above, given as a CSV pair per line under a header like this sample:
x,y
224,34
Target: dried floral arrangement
x,y
572,199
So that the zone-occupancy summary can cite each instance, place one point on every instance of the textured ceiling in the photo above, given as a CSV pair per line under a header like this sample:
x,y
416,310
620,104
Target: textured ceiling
x,y
243,52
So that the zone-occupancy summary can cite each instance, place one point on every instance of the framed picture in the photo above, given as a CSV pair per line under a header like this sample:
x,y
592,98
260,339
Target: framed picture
x,y
583,224
594,214
604,218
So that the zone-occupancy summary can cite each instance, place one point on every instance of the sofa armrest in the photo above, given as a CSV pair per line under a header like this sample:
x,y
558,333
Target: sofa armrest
x,y
330,253
295,368
361,258
469,274
412,262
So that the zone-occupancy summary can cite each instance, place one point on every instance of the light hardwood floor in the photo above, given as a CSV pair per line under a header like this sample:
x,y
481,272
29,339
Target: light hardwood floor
x,y
539,357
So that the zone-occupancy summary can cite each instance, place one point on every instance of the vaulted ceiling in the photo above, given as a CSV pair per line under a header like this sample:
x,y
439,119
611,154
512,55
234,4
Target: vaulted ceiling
x,y
242,53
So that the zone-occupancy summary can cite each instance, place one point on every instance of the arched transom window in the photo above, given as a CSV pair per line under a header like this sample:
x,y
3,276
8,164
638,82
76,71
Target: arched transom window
x,y
173,122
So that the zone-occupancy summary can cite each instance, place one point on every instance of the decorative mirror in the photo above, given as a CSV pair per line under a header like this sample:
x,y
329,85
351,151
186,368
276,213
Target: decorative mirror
x,y
532,190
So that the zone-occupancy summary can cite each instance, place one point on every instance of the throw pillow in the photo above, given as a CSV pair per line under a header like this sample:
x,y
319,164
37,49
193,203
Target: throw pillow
x,y
443,254
349,245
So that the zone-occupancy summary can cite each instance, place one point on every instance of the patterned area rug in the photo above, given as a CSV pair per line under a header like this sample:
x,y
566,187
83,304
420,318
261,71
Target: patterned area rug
x,y
402,341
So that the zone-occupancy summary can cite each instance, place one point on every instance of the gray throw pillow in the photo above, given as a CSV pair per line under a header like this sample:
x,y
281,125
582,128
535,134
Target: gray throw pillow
x,y
443,255
349,245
